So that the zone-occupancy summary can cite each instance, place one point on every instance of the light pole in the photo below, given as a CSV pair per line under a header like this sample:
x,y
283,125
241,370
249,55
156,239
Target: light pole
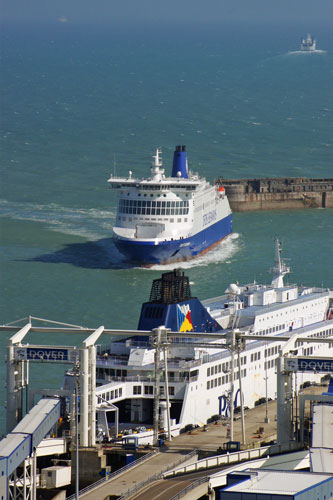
x,y
75,374
76,393
239,347
266,382
156,342
232,383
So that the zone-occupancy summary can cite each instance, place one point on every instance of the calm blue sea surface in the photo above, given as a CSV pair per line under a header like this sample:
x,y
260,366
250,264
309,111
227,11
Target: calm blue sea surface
x,y
81,103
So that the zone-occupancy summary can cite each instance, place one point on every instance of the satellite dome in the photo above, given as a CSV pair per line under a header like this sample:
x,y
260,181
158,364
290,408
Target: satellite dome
x,y
233,289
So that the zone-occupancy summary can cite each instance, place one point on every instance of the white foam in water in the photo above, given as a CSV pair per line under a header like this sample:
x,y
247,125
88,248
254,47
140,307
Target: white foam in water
x,y
96,225
221,253
89,223
317,51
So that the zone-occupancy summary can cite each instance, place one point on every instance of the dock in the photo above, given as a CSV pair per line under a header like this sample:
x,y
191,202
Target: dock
x,y
277,193
148,480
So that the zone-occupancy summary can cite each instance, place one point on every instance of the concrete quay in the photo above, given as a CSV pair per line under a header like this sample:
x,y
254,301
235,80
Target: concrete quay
x,y
260,428
162,461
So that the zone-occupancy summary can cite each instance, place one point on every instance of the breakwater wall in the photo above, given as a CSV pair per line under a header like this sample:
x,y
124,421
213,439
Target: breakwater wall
x,y
278,193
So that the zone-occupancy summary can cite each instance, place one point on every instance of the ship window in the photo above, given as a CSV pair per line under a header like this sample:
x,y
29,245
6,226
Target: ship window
x,y
208,385
208,372
116,393
137,389
179,220
171,391
172,220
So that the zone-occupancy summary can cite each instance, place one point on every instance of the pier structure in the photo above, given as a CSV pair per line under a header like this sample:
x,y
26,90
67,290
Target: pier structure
x,y
83,360
277,193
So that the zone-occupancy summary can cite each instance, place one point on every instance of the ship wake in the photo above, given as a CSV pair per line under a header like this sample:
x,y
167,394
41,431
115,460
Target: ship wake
x,y
222,252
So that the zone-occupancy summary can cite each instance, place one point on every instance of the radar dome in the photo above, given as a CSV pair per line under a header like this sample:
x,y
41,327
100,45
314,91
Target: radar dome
x,y
233,289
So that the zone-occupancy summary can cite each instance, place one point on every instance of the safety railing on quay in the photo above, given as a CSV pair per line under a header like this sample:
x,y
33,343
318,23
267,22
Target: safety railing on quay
x,y
128,493
190,487
108,478
234,457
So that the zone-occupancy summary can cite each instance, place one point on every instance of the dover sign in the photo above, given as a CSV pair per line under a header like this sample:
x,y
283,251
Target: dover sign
x,y
309,364
42,353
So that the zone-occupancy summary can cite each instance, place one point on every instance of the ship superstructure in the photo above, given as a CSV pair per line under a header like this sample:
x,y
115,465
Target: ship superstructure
x,y
264,322
164,219
308,44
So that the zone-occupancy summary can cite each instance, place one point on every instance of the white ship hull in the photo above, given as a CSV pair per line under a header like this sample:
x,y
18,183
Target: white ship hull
x,y
169,219
200,374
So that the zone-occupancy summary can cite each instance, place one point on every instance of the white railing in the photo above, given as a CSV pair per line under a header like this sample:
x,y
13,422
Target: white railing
x,y
235,457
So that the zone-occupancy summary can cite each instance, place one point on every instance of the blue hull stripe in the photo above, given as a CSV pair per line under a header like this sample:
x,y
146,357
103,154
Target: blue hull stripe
x,y
172,251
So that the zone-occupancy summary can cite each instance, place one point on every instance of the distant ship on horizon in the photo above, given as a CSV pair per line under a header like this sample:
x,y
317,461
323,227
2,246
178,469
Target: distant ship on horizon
x,y
308,44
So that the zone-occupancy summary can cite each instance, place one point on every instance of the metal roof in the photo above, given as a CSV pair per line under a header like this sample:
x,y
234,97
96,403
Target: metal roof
x,y
322,417
10,443
286,482
36,416
321,460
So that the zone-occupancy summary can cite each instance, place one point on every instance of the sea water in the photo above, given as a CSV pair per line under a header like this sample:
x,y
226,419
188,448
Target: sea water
x,y
81,103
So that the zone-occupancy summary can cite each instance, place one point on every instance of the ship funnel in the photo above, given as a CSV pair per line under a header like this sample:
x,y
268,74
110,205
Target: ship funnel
x,y
179,162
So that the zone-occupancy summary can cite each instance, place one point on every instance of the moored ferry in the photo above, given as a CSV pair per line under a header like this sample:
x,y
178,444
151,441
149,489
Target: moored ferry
x,y
164,219
265,322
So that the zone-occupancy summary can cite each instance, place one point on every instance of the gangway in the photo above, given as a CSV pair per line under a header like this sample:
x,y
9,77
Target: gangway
x,y
21,444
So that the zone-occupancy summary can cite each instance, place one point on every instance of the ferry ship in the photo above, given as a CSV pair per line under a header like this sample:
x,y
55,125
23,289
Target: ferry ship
x,y
308,44
264,322
169,219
